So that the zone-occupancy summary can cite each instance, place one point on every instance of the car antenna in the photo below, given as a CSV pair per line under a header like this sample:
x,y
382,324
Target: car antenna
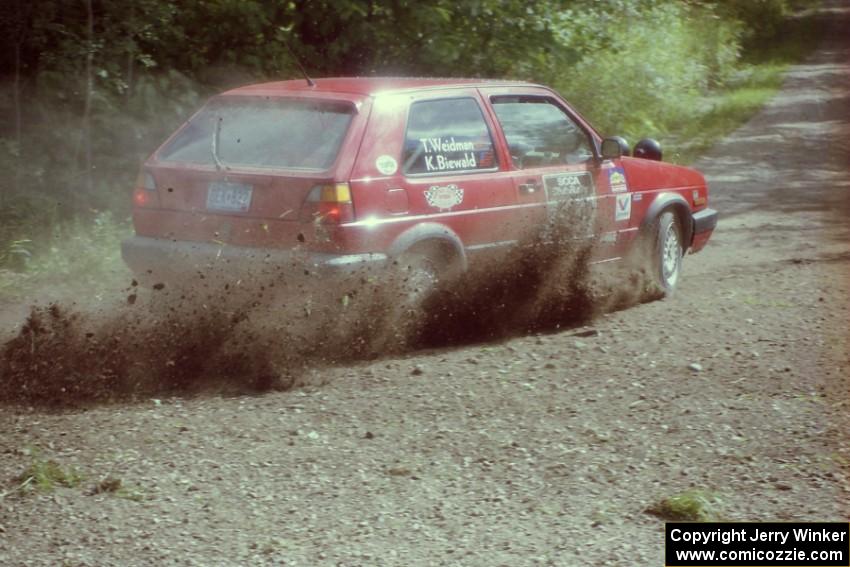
x,y
310,82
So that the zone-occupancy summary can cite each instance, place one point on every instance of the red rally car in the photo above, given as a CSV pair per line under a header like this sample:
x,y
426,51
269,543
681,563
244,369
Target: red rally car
x,y
344,173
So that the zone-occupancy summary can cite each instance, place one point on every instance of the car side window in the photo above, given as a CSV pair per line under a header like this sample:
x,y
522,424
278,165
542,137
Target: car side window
x,y
447,136
540,133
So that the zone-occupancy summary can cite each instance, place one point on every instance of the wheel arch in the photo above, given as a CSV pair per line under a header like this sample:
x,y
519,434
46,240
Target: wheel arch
x,y
431,236
674,202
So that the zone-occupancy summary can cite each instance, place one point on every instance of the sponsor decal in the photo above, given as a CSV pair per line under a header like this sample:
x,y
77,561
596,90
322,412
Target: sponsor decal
x,y
570,198
623,209
387,165
637,197
444,197
487,159
566,186
617,180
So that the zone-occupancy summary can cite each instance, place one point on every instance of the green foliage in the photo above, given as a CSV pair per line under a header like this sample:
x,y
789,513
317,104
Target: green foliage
x,y
80,257
724,111
17,254
81,107
689,506
17,230
763,17
754,80
636,81
45,475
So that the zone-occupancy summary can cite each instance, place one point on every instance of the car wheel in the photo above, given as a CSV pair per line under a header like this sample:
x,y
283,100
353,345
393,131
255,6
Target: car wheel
x,y
667,256
415,275
419,275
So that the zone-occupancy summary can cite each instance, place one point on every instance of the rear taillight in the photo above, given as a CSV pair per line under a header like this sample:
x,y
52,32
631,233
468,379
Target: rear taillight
x,y
329,204
144,194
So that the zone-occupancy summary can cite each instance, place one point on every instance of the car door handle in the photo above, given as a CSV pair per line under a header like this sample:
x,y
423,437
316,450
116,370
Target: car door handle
x,y
529,187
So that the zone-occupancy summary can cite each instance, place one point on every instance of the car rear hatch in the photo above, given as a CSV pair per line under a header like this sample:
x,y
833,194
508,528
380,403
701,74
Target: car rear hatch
x,y
252,171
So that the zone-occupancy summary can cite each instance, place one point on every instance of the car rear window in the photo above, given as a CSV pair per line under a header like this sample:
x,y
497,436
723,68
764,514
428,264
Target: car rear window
x,y
263,132
447,136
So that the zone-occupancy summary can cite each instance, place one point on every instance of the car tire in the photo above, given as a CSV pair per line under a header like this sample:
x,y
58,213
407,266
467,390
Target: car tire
x,y
419,275
666,254
416,276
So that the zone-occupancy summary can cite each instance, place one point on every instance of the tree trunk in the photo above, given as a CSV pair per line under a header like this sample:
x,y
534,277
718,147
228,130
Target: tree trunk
x,y
89,94
20,35
131,54
18,137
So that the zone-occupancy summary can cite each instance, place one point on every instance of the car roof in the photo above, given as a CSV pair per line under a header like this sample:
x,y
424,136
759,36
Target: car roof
x,y
366,86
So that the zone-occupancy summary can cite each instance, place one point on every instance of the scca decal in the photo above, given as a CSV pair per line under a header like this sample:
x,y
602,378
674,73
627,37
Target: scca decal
x,y
623,209
568,186
387,165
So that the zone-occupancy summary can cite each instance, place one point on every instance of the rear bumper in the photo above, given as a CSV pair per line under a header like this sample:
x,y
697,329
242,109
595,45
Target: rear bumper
x,y
705,221
161,258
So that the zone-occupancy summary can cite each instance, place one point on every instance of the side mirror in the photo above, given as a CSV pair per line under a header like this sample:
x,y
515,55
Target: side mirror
x,y
648,149
615,147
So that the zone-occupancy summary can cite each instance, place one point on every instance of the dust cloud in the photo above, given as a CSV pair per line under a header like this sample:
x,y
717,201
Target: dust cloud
x,y
227,333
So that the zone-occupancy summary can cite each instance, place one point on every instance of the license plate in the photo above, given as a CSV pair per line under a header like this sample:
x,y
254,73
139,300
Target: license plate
x,y
225,196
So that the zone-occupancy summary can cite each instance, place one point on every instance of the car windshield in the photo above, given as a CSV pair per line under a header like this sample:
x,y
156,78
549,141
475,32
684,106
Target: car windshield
x,y
263,132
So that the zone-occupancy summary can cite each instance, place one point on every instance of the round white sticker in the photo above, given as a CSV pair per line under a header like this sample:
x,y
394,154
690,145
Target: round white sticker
x,y
386,164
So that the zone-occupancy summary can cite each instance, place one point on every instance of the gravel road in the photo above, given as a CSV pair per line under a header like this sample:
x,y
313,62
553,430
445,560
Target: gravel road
x,y
539,450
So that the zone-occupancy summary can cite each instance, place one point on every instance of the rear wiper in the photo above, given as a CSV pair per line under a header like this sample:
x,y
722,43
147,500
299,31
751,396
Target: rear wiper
x,y
215,142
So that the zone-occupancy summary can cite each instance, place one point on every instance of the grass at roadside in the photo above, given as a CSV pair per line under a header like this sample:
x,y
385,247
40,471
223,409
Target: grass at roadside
x,y
46,474
690,506
756,82
79,259
726,110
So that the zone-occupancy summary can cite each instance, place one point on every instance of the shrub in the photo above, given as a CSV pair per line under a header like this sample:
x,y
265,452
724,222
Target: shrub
x,y
45,474
689,506
636,80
